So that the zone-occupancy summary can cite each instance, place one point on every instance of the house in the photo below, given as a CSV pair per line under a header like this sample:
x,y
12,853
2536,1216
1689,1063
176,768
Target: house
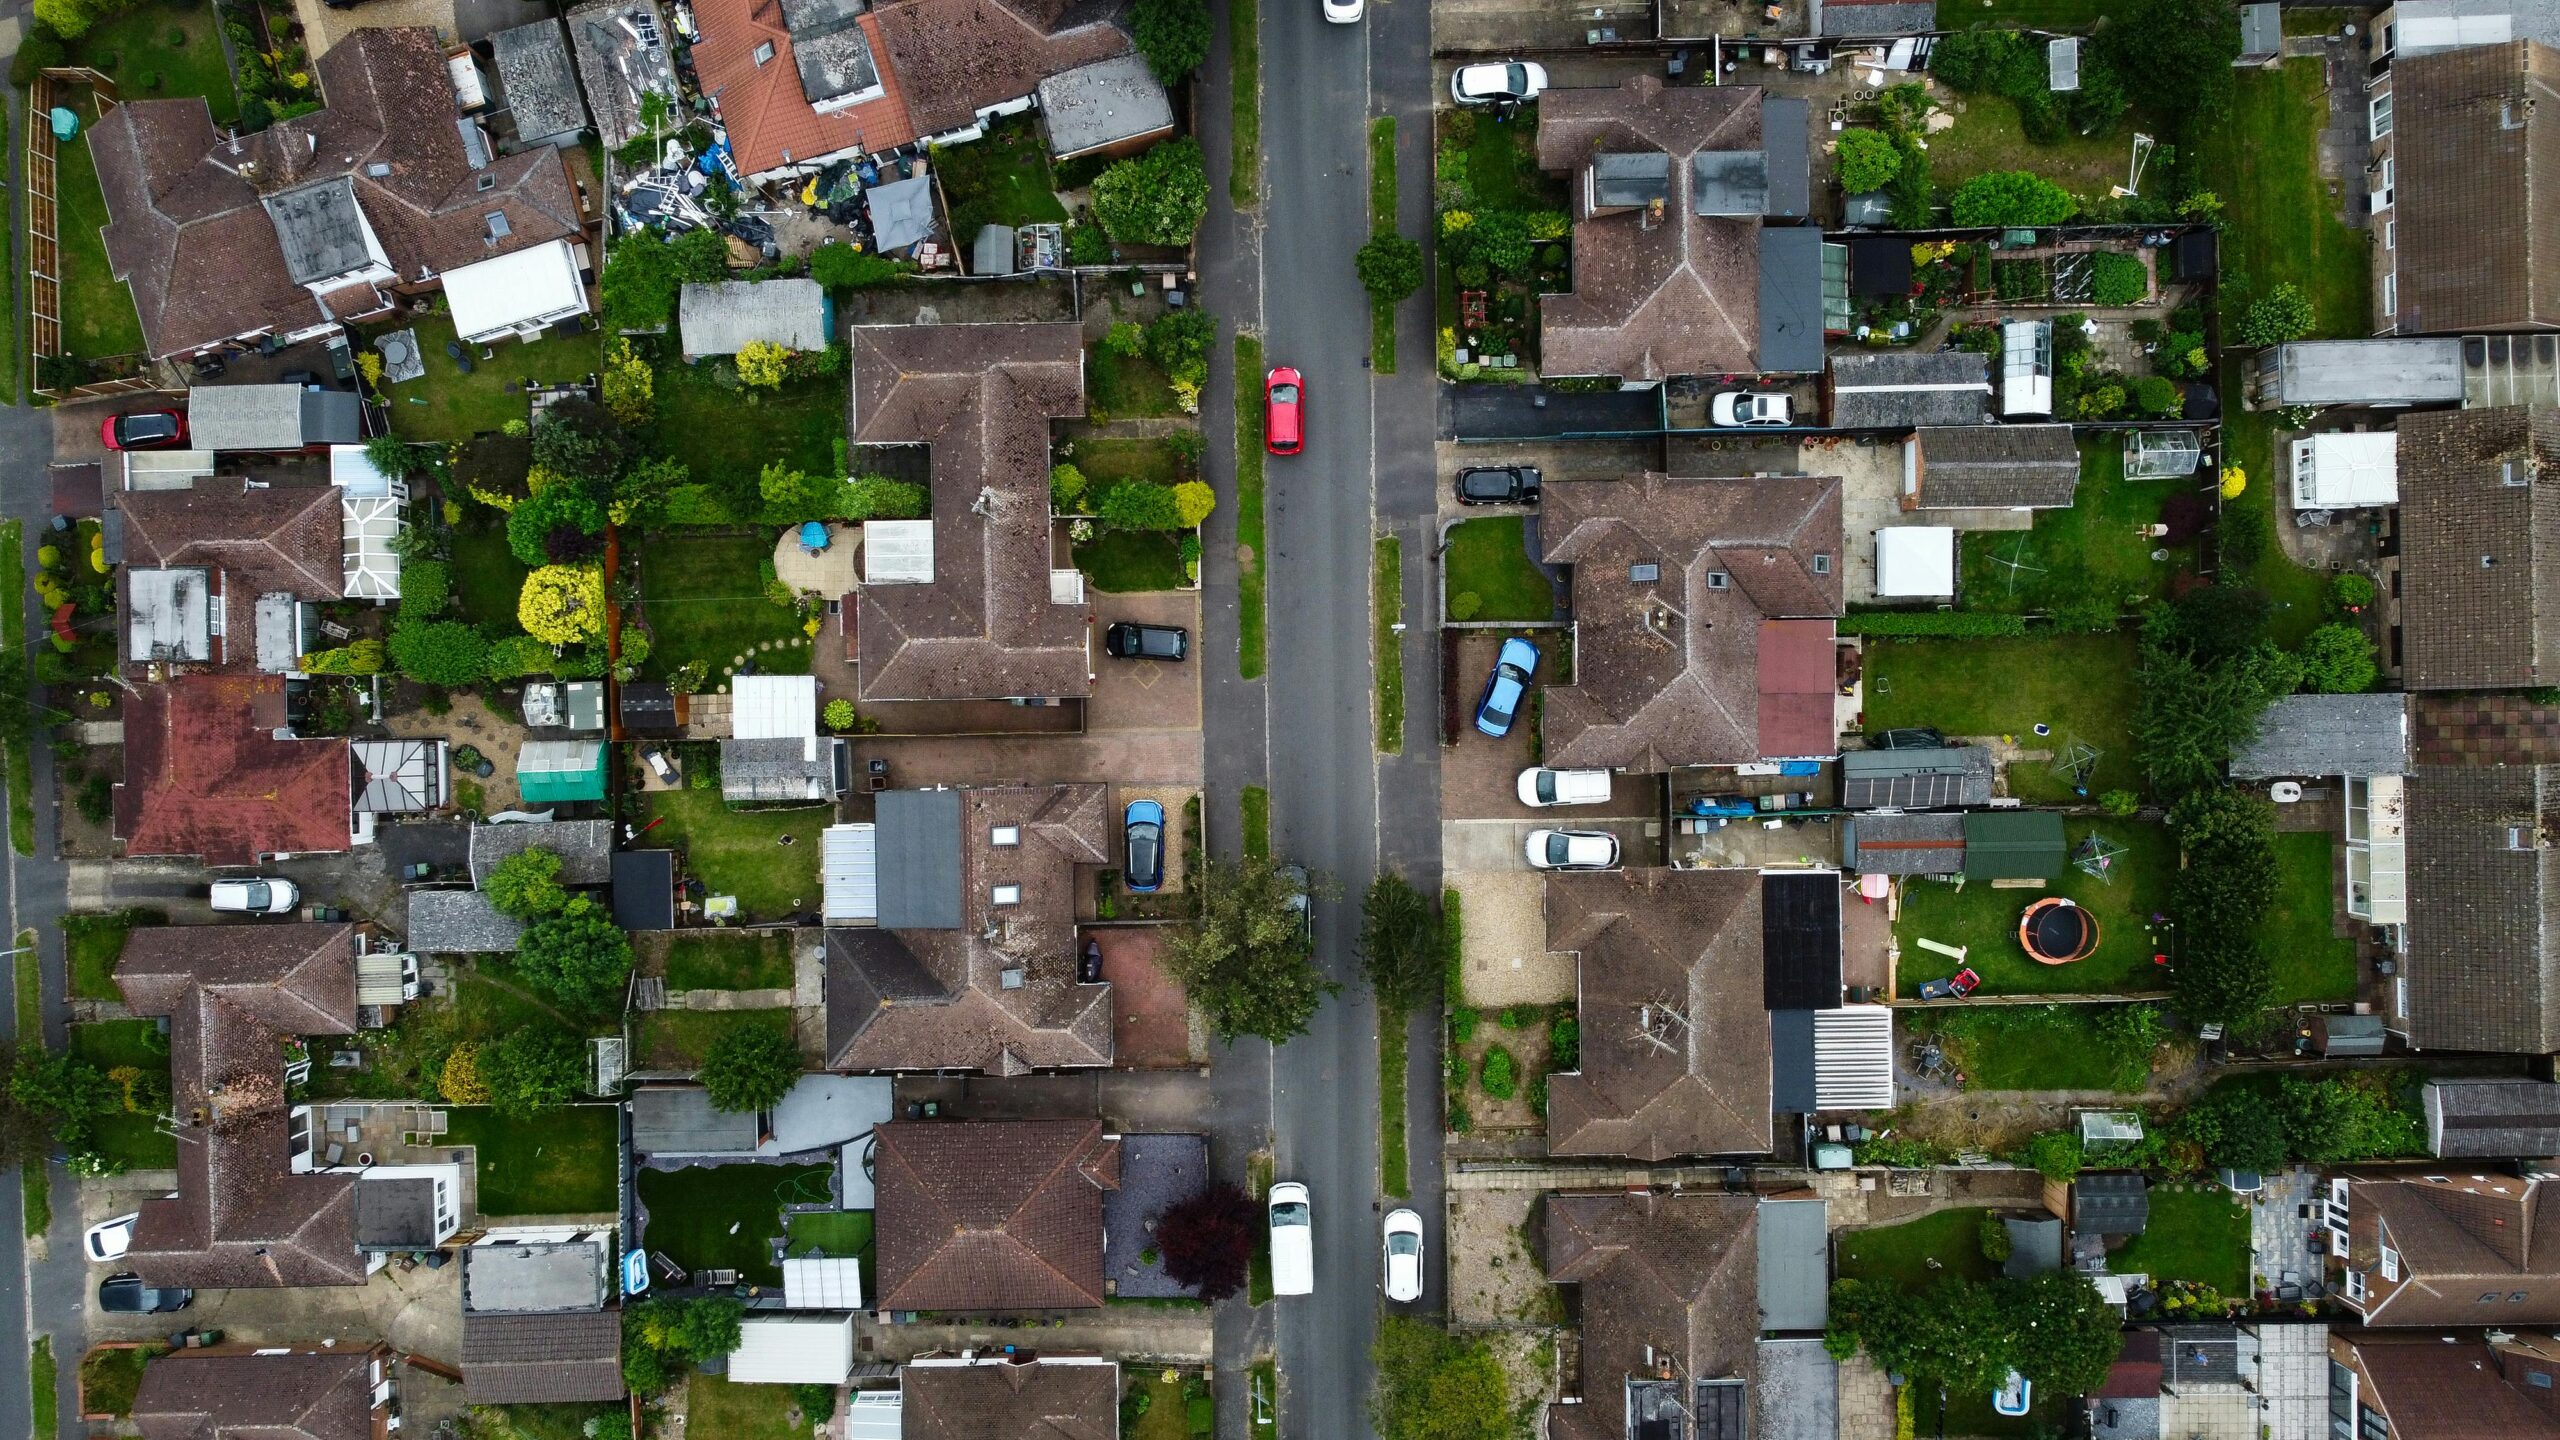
x,y
2476,609
1714,288
1990,467
2445,1387
775,755
332,217
228,418
2424,27
216,580
622,53
2012,845
2381,373
678,1121
947,1397
723,316
970,604
2408,1248
538,83
1702,620
206,776
535,1327
962,62
1951,777
1897,844
990,1215
2464,241
1114,106
274,1392
2492,1119
1900,390
970,960
2346,470
2481,967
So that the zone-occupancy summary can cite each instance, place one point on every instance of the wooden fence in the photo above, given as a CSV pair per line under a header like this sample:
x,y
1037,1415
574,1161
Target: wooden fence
x,y
44,234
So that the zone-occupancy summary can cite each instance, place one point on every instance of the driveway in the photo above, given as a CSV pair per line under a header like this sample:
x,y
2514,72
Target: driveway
x,y
418,1310
1502,939
1501,844
1147,694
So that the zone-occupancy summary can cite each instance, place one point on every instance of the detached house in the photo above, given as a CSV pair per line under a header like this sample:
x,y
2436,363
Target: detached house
x,y
980,1215
2444,1249
2463,231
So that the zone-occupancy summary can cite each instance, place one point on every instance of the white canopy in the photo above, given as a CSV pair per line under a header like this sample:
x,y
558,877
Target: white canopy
x,y
850,874
773,707
518,291
2346,471
1853,1058
797,1350
1916,562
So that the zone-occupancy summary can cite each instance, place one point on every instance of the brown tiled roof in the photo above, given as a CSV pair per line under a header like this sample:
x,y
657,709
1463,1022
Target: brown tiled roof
x,y
2484,913
187,223
770,121
262,542
1041,1400
204,775
937,1000
2475,139
234,1395
2431,1390
957,57
1675,1040
1675,1273
1680,296
2475,533
1965,467
2509,728
1680,670
2468,1246
981,397
541,1359
992,1215
233,995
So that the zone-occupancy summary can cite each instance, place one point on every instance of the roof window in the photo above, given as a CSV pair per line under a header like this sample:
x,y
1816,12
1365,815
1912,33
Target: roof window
x,y
764,52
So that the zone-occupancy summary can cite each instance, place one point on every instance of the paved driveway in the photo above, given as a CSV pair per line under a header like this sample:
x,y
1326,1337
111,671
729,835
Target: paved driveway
x,y
1146,694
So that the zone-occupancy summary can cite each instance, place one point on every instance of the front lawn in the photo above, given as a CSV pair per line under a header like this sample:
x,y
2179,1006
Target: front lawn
x,y
1175,1409
1984,920
560,1162
1502,164
726,435
1124,562
679,1039
1107,460
2196,1232
739,852
488,577
703,601
1125,387
1002,179
725,1217
109,1378
110,1043
730,960
2080,685
98,318
94,943
449,405
563,1421
2311,963
162,52
136,1141
1488,557
2095,548
2041,1047
715,1406
1899,1255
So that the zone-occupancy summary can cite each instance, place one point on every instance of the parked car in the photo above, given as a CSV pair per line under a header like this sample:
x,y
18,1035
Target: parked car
x,y
1506,687
1143,865
1749,407
1403,1281
1499,82
109,1239
1089,970
255,896
1572,850
1542,787
1955,987
1284,411
1498,485
125,1294
1342,12
661,766
1293,1244
145,430
1128,640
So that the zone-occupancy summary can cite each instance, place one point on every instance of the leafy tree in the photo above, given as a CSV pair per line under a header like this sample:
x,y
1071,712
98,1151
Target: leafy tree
x,y
2182,49
1192,502
526,884
1399,943
2067,1335
764,364
645,490
1207,1240
630,386
839,266
2219,899
709,1328
1390,267
458,1078
2011,197
1158,198
494,469
1243,965
644,272
1179,343
1173,35
1867,159
581,442
750,1067
71,19
562,604
2055,1154
1139,505
391,455
444,653
577,957
556,522
2337,659
534,1068
2157,396
1432,1385
2236,1129
2281,314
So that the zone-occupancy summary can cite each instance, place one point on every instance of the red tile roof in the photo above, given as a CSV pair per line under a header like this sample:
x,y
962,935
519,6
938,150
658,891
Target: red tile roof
x,y
770,121
962,56
1796,682
205,776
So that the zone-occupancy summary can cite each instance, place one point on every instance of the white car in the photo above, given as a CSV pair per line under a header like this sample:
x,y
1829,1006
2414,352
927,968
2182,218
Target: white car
x,y
1293,1242
1542,787
259,896
1502,82
1343,12
1403,1282
109,1239
1572,850
1749,407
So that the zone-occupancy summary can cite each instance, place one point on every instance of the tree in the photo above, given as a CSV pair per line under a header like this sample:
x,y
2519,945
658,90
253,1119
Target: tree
x,y
494,469
1066,488
443,653
556,522
2219,900
577,957
1179,343
839,266
630,386
533,1068
526,884
2337,659
1399,943
2158,397
1192,502
1207,1240
1244,966
1390,267
764,364
750,1067
562,604
1173,35
645,271
1432,1385
2182,50
458,1078
2067,1335
1867,159
390,455
581,442
71,19
2198,708
2236,1129
2011,197
2281,314
1157,198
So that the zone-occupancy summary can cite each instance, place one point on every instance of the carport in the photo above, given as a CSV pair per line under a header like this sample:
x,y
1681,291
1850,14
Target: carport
x,y
1535,412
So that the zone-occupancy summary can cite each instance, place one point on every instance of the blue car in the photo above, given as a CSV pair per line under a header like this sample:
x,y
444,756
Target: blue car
x,y
1507,687
1144,828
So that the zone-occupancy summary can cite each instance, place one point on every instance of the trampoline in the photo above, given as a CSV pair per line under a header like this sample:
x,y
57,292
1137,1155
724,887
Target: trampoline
x,y
2057,932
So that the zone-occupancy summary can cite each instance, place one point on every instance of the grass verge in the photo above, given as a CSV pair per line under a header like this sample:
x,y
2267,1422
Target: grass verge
x,y
1382,221
35,1198
44,1380
30,991
1392,1166
1244,101
1259,1168
1386,614
1264,1379
1256,804
13,641
1250,597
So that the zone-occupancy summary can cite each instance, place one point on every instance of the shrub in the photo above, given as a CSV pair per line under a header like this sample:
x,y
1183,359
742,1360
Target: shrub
x,y
877,497
764,364
458,1079
1500,1075
1179,344
562,604
533,1069
2119,803
577,957
2351,592
1867,159
2117,279
2281,314
40,49
425,586
1957,624
839,266
750,1067
520,655
2055,1154
526,885
645,271
2219,900
1192,502
1995,1239
443,653
555,522
2242,534
1207,1241
356,657
630,386
1138,505
1390,267
1173,35
1465,605
2157,397
2011,197
1158,198
2337,659
1066,488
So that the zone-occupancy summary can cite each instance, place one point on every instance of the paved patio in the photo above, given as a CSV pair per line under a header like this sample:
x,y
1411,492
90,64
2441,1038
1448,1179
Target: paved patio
x,y
829,572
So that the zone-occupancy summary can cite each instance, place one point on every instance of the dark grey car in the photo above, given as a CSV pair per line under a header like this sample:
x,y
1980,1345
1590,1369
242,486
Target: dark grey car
x,y
1498,485
1127,641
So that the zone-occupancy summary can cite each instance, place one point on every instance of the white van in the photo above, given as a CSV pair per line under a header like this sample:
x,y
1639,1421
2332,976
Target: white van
x,y
1293,1246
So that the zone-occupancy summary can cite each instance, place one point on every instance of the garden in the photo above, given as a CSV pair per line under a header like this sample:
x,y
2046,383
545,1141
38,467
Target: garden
x,y
2046,1047
717,1406
111,1375
1497,1064
564,1161
92,944
2137,858
2196,1232
1487,573
1133,497
706,615
98,319
1002,178
452,404
484,1006
1504,240
1161,1403
133,1054
768,859
2091,558
680,1040
729,960
2081,687
726,1217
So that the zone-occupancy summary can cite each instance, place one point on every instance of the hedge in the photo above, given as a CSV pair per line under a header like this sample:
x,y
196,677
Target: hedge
x,y
1955,624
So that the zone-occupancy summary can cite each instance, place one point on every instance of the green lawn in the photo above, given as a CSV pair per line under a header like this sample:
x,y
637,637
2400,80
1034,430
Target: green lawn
x,y
1502,165
700,593
724,1217
2093,548
98,318
488,577
1169,1407
94,944
136,49
449,405
2080,685
1900,1254
1131,561
1988,136
136,1140
109,1378
1002,179
110,1043
2310,962
559,1162
1124,387
679,1039
730,960
1488,558
1386,616
726,437
566,1421
1969,1413
1984,919
1107,460
2196,1232
739,852
2031,1047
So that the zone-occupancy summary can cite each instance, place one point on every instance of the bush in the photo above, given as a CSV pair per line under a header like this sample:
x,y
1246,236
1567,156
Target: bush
x,y
1179,344
2055,1154
630,386
2157,397
2281,314
425,586
763,364
577,957
533,1069
750,1067
2119,803
520,655
2337,659
2011,197
1139,505
526,885
562,604
1158,198
1952,624
356,657
1192,502
556,522
2117,279
839,266
1995,1238
2242,535
40,49
458,1079
1390,267
1173,35
1500,1076
877,497
2351,592
2219,900
443,653
1867,159
645,271
1465,605
1066,488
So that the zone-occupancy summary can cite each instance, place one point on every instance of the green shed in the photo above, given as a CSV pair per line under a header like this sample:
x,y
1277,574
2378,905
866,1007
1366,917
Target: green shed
x,y
555,771
2013,844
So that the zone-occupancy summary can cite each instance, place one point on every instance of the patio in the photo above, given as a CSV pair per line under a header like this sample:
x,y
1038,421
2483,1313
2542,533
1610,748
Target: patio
x,y
829,569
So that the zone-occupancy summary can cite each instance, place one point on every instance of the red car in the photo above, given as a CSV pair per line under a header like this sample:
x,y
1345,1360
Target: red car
x,y
1284,410
145,430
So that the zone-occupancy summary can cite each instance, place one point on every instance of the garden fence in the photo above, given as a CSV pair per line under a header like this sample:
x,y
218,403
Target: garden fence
x,y
44,234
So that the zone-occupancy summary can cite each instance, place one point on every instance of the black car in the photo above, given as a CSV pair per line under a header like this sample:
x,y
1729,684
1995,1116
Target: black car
x,y
1498,485
125,1294
1128,641
1090,973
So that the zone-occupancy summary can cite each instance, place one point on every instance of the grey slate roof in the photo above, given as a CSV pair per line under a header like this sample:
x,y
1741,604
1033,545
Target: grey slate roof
x,y
459,922
1104,103
535,76
644,889
1791,298
1957,775
2035,1246
1903,389
585,848
396,1212
2492,1119
2484,912
2109,1203
920,861
718,317
541,1359
554,1277
617,68
1904,844
680,1120
1795,1264
1969,467
781,770
271,417
2388,370
2321,735
321,229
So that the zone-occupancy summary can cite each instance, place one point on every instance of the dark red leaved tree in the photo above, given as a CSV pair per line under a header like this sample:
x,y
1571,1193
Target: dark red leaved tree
x,y
1207,1240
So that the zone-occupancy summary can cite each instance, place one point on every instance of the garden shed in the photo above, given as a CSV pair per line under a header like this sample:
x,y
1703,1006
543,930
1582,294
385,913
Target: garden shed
x,y
585,847
550,772
1880,265
1903,844
272,417
644,889
459,922
722,316
2351,1035
2023,845
2489,1119
1948,777
2107,1202
2035,1246
680,1120
1901,389
2389,371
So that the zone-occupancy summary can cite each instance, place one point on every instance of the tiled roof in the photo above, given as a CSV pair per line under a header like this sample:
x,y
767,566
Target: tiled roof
x,y
957,57
1666,1279
1043,1400
1891,389
204,775
770,120
262,542
213,1395
2476,608
541,1359
2483,966
2322,735
538,80
2493,1119
992,1215
2472,1249
2432,1389
2475,142
1979,467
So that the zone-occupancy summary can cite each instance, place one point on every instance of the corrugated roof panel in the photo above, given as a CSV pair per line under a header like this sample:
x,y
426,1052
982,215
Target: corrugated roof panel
x,y
1853,1058
850,865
